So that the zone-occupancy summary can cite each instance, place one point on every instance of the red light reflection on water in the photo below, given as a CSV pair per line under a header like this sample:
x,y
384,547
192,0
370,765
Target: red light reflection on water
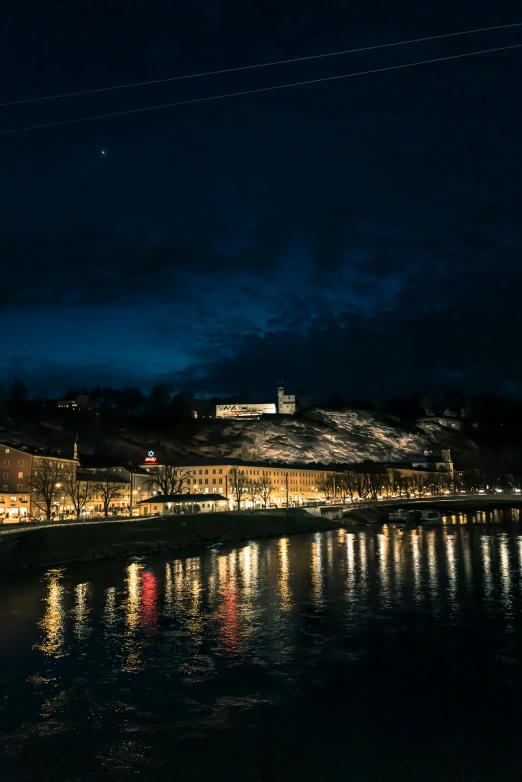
x,y
230,625
149,596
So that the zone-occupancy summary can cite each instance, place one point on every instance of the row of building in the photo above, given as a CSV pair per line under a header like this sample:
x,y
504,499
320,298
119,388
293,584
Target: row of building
x,y
205,485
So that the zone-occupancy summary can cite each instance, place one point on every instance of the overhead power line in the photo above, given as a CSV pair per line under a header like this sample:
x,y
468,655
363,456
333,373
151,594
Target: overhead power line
x,y
260,65
260,89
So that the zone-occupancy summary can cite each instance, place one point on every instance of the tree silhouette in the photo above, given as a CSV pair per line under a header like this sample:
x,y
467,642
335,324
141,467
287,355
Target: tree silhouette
x,y
45,482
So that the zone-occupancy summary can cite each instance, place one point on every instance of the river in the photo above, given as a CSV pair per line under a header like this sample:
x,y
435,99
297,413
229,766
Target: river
x,y
383,653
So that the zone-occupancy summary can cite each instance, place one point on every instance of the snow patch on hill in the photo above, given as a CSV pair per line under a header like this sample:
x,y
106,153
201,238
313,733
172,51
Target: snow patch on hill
x,y
324,436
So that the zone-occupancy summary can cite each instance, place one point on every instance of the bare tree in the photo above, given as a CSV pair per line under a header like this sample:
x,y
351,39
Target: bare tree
x,y
108,490
376,484
265,489
420,482
347,485
362,481
45,482
168,479
77,491
456,480
394,481
325,484
254,489
240,484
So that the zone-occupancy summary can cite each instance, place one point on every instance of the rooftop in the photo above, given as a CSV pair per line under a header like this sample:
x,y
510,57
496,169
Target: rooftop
x,y
56,453
100,477
228,462
95,462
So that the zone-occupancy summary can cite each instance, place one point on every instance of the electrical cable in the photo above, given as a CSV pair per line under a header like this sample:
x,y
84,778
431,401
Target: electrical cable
x,y
259,65
258,90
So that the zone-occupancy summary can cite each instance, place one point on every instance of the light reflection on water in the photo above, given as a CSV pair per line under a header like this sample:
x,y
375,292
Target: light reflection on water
x,y
451,564
53,620
188,641
485,545
416,567
81,611
230,585
317,569
284,575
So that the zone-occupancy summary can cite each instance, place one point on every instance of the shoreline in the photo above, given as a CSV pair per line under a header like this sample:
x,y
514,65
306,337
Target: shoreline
x,y
59,546
55,546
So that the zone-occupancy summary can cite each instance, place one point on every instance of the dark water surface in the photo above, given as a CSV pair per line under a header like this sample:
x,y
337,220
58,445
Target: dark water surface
x,y
380,653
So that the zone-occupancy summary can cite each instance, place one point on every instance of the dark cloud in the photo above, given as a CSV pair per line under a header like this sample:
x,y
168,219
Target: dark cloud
x,y
361,235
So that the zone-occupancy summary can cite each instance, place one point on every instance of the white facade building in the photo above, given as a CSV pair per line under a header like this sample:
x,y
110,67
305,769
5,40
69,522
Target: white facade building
x,y
285,406
245,411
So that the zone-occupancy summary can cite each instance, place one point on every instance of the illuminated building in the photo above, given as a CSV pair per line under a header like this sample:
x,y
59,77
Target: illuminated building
x,y
285,402
285,406
255,410
17,468
132,484
434,462
300,483
174,504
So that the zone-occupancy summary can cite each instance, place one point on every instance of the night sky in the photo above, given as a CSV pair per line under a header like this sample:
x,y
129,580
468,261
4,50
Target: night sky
x,y
360,236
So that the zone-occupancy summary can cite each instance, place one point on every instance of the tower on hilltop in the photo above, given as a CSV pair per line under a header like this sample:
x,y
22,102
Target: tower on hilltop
x,y
285,402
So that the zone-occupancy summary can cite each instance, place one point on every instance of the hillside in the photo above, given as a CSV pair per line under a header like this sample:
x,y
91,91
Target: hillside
x,y
316,435
325,436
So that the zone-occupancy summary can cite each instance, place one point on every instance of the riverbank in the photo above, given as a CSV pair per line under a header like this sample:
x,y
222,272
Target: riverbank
x,y
64,545
452,506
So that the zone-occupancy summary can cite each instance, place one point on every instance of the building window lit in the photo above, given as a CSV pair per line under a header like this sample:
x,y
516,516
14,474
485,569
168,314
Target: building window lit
x,y
20,475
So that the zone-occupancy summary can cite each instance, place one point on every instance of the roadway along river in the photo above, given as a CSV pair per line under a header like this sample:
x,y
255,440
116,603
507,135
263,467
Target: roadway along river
x,y
372,654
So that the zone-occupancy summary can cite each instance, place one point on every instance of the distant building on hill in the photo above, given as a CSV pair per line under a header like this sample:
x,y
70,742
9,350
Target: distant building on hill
x,y
285,406
80,402
255,410
285,402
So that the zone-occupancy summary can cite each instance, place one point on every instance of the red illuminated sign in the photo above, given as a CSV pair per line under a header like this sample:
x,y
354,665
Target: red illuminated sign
x,y
150,458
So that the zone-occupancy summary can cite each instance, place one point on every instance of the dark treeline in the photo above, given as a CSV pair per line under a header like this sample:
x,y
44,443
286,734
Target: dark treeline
x,y
489,420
